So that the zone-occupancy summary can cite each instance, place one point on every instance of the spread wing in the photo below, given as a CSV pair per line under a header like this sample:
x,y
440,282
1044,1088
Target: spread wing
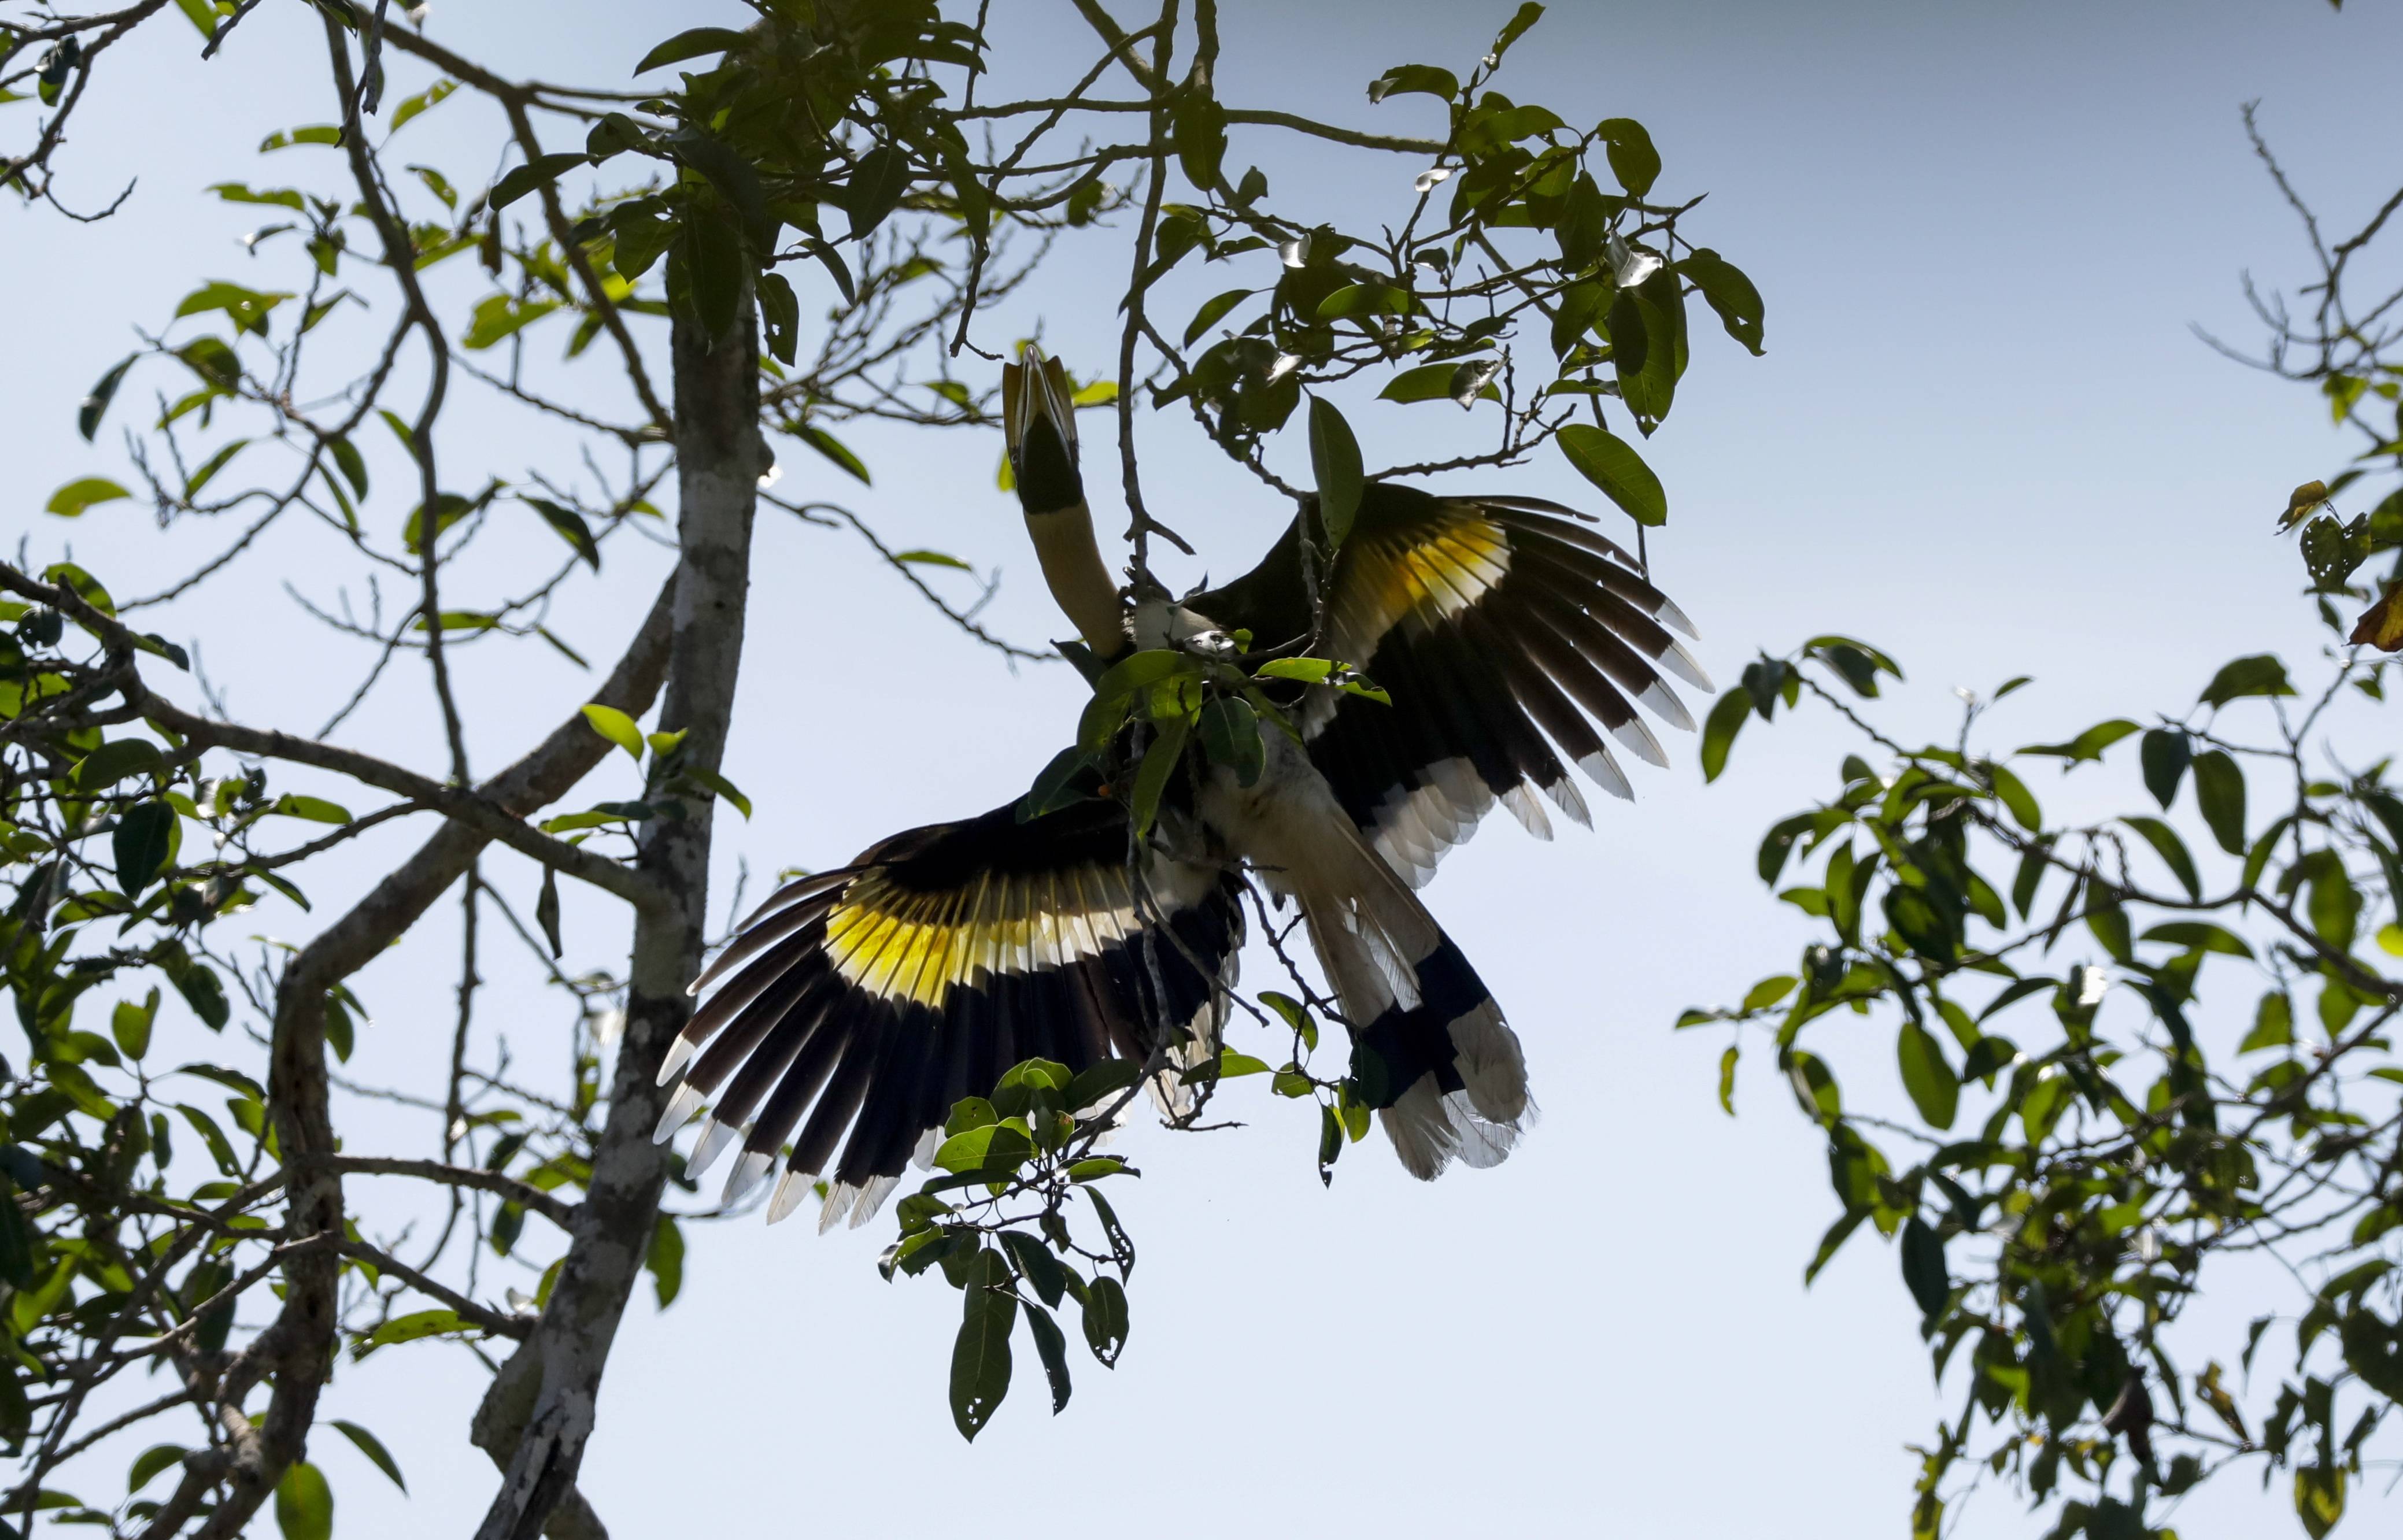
x,y
873,998
1512,639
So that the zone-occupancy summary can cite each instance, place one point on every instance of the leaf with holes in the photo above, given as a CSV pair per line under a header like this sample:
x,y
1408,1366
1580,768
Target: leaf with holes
x,y
981,1354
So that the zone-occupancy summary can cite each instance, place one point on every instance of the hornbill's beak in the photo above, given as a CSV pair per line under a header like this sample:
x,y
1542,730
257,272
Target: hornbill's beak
x,y
1040,426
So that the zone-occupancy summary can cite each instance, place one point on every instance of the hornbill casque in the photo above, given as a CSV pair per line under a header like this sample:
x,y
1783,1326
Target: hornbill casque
x,y
1505,639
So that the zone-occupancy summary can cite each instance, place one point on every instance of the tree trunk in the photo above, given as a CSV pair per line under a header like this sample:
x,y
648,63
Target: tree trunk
x,y
718,461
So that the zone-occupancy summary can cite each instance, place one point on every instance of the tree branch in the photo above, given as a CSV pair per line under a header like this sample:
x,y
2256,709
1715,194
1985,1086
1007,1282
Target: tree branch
x,y
558,1211
470,807
719,460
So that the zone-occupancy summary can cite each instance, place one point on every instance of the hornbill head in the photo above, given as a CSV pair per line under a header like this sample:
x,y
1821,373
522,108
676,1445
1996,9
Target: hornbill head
x,y
1039,427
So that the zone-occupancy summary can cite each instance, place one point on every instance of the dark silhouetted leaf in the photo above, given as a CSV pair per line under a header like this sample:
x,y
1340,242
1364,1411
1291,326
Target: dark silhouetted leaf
x,y
2165,754
2260,674
373,1446
1923,1268
980,1354
1105,1320
2219,788
1335,464
141,844
95,405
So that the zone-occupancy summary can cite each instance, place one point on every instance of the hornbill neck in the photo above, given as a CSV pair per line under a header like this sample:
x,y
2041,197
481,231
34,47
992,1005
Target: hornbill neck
x,y
1079,578
1039,426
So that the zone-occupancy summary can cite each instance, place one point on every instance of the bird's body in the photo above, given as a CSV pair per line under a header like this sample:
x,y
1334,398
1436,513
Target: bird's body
x,y
1501,631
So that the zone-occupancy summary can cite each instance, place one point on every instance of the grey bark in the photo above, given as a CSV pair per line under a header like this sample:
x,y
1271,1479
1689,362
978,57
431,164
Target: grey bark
x,y
718,461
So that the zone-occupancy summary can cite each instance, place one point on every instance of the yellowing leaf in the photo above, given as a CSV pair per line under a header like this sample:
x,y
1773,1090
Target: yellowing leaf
x,y
616,726
70,501
2301,504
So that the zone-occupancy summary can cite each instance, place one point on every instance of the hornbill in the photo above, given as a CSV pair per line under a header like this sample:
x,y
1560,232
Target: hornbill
x,y
1502,631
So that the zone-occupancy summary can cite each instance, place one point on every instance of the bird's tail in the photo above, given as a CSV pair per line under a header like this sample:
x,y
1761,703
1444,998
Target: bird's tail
x,y
1430,1051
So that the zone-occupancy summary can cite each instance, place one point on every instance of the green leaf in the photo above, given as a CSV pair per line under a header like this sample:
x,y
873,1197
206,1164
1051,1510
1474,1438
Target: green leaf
x,y
1611,463
664,1259
247,308
540,171
875,188
722,786
1212,312
1231,736
933,559
116,760
691,45
129,1024
1105,1320
2015,797
209,468
1726,290
373,1446
1833,1242
2165,754
1115,690
2319,1498
1335,464
2089,744
498,317
570,526
1055,785
1159,762
2172,850
281,198
831,447
1934,1088
1042,1271
412,1327
1099,1083
780,316
2202,935
2219,788
316,133
1720,727
1404,78
1309,671
95,405
449,508
616,726
220,1148
2260,674
142,842
1923,1268
304,1503
707,265
1198,122
314,809
1526,16
991,1145
1632,159
432,96
1441,382
1727,1079
1051,1345
150,1461
981,1354
545,911
70,501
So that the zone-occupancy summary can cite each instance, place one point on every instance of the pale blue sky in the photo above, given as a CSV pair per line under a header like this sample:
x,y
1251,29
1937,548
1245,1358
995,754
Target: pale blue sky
x,y
1983,436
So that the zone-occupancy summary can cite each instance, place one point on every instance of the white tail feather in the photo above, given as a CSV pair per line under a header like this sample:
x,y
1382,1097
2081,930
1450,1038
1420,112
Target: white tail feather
x,y
1492,1065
